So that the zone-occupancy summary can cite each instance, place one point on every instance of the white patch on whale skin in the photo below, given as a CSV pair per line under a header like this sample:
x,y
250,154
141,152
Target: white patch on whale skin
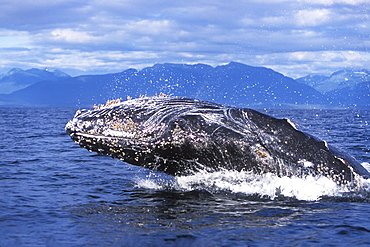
x,y
119,134
291,123
70,125
306,163
326,144
91,136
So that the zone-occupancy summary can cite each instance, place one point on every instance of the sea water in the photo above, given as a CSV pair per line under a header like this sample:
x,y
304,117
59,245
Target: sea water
x,y
54,193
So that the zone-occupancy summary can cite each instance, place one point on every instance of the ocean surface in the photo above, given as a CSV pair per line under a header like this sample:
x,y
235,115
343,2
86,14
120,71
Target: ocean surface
x,y
54,193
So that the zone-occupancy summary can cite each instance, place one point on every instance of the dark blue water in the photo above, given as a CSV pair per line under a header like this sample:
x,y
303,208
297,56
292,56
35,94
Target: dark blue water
x,y
54,193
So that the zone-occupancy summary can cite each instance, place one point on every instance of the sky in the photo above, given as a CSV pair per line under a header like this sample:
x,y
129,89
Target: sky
x,y
293,37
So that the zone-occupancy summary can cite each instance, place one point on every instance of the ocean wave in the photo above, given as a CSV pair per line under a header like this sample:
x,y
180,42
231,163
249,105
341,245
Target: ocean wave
x,y
309,188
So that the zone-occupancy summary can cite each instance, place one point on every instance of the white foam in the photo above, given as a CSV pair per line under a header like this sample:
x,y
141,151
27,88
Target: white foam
x,y
366,165
157,181
309,188
148,184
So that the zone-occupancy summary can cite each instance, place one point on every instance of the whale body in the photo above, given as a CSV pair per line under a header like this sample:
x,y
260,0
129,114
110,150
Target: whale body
x,y
182,136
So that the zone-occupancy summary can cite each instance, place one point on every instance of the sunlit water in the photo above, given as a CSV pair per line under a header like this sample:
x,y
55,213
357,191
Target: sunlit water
x,y
54,193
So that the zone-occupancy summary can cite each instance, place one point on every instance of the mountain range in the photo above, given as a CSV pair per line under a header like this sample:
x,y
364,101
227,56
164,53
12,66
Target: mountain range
x,y
17,79
345,87
234,84
338,80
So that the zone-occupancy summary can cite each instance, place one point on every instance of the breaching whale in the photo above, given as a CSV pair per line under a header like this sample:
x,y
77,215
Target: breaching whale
x,y
181,136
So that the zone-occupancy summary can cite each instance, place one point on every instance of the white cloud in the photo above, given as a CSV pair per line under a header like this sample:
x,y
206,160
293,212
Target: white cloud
x,y
95,36
148,27
314,17
71,36
98,61
332,2
298,64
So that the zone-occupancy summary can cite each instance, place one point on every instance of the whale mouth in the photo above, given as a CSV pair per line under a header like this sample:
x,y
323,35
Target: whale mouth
x,y
129,150
105,135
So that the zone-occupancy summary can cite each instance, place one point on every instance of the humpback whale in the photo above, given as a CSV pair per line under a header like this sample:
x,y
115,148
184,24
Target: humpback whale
x,y
181,136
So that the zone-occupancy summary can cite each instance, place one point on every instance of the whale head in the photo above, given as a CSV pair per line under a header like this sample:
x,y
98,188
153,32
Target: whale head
x,y
160,133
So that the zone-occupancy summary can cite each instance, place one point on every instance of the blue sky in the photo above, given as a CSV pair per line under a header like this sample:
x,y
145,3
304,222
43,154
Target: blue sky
x,y
294,37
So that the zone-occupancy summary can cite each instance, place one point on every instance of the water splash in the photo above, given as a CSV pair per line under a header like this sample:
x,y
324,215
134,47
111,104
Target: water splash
x,y
268,185
366,165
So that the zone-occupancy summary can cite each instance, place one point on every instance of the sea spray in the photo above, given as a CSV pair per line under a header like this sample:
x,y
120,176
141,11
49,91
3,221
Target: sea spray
x,y
309,188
